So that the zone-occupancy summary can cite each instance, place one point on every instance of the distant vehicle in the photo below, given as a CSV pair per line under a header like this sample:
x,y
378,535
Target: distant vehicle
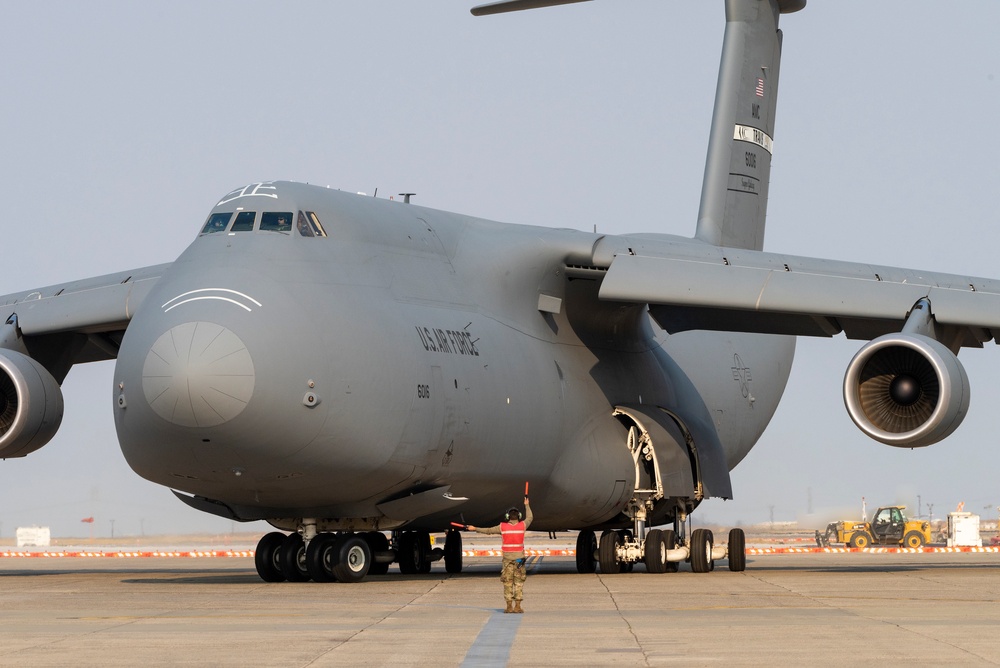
x,y
34,536
889,527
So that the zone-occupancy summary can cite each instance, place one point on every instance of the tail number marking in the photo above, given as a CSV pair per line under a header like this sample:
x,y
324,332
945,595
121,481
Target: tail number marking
x,y
752,135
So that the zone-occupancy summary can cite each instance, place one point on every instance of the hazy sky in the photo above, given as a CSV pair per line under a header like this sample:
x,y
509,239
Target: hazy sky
x,y
122,123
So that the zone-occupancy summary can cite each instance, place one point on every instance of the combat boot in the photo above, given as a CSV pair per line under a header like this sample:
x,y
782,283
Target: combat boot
x,y
509,607
517,607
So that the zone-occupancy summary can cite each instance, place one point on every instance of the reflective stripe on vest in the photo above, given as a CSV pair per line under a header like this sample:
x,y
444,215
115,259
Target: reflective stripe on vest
x,y
513,536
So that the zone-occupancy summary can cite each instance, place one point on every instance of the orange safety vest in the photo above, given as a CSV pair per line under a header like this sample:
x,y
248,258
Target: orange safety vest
x,y
513,536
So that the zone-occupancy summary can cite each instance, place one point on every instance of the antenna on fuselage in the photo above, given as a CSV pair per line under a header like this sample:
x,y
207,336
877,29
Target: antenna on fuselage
x,y
406,197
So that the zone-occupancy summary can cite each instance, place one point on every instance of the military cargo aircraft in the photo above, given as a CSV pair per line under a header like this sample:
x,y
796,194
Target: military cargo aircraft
x,y
344,366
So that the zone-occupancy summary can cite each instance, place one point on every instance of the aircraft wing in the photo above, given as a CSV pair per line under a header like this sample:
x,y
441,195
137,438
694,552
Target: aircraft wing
x,y
80,321
752,291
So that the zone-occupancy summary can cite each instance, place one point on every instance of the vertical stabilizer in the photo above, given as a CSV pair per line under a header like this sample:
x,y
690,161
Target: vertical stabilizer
x,y
738,168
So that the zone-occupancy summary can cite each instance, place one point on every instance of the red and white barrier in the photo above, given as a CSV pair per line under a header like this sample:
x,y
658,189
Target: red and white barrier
x,y
763,551
125,555
751,551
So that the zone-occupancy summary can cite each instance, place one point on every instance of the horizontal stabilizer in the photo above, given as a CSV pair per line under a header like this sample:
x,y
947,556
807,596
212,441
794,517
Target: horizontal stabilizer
x,y
518,5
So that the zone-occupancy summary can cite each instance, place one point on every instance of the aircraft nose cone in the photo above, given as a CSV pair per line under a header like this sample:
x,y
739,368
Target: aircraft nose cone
x,y
198,374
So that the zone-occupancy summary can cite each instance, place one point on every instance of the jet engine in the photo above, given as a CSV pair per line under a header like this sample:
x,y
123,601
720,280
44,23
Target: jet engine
x,y
906,390
31,405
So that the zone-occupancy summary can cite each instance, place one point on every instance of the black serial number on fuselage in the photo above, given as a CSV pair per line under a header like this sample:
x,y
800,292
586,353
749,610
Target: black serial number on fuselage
x,y
456,342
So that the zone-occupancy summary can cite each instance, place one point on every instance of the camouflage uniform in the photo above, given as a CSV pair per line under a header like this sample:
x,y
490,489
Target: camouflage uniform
x,y
513,575
512,570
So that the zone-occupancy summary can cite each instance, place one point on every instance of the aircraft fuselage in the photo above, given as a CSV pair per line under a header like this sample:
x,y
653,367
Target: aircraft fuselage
x,y
288,376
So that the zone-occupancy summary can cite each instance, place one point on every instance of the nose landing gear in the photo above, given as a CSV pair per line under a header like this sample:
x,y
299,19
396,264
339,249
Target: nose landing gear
x,y
281,557
323,557
348,556
267,557
351,558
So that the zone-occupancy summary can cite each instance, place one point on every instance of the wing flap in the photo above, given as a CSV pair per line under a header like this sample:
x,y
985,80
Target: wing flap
x,y
100,304
792,295
73,323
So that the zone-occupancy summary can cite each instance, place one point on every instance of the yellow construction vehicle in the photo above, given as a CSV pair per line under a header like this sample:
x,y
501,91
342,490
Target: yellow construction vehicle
x,y
889,526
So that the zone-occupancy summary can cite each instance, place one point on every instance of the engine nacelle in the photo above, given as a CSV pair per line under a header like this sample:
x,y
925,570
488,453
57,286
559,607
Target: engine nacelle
x,y
31,405
906,390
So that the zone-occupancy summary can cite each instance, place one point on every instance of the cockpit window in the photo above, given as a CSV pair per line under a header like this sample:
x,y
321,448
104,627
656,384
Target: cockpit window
x,y
244,221
309,226
317,226
306,222
217,223
274,221
303,226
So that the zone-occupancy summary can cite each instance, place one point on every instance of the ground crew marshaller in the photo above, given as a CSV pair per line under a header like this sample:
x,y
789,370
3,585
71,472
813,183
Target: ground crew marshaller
x,y
512,571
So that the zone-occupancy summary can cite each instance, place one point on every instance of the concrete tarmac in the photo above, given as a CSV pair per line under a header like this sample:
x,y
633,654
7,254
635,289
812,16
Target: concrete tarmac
x,y
879,609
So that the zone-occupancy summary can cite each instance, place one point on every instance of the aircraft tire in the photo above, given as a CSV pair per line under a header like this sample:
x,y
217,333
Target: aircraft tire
x,y
586,547
453,552
411,554
353,558
737,550
267,557
293,558
913,539
320,557
701,551
607,553
424,537
670,540
377,542
655,552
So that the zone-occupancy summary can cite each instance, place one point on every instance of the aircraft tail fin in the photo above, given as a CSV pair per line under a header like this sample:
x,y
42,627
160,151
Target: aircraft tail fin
x,y
738,167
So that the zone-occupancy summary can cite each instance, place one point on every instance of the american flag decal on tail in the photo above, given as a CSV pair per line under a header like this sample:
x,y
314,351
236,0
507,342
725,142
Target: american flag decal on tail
x,y
760,88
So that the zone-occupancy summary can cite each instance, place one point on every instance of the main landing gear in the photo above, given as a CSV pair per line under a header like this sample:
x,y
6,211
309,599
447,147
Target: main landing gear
x,y
661,551
350,557
658,440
